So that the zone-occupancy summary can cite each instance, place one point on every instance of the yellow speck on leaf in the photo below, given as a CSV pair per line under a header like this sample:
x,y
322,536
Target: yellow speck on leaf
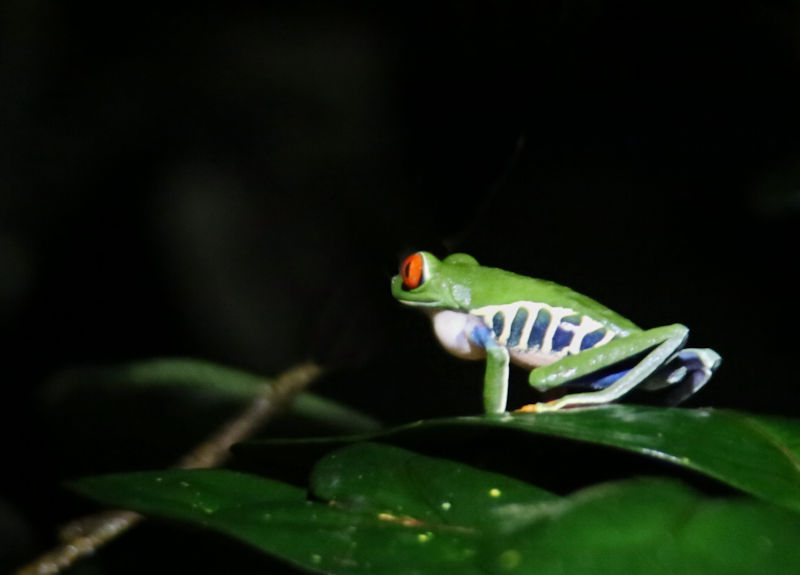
x,y
510,559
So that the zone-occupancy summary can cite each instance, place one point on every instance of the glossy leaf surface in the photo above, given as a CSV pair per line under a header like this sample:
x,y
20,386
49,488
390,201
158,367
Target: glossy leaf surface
x,y
756,454
381,509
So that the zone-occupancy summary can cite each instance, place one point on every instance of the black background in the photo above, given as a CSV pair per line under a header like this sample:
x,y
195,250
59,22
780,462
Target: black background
x,y
239,182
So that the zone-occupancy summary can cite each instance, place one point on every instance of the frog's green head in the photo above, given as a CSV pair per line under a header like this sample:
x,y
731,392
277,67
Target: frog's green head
x,y
426,281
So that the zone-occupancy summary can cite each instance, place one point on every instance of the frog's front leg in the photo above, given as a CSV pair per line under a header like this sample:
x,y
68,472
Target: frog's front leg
x,y
495,380
661,341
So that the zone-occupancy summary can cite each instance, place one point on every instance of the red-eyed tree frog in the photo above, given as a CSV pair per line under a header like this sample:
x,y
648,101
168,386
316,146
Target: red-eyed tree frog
x,y
563,337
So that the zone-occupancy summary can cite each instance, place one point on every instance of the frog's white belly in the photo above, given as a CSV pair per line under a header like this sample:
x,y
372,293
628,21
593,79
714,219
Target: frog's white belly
x,y
535,334
452,329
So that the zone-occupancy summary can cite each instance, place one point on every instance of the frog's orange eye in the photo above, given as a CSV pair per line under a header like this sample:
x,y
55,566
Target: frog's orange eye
x,y
411,271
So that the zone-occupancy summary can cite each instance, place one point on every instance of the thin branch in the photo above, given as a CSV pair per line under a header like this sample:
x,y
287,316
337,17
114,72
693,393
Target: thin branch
x,y
84,536
276,397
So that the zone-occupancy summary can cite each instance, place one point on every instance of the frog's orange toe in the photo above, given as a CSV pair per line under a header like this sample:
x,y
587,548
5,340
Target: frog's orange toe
x,y
538,407
530,408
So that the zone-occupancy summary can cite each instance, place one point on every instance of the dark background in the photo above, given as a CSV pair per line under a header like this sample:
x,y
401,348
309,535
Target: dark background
x,y
237,183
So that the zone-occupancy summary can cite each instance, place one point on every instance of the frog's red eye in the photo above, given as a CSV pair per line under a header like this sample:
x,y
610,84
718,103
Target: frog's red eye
x,y
411,271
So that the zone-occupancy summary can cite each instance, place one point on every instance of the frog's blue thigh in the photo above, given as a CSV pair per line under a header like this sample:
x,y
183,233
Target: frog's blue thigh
x,y
495,381
595,382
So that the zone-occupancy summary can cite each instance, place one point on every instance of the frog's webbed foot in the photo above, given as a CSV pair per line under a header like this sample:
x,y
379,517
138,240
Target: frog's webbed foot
x,y
684,373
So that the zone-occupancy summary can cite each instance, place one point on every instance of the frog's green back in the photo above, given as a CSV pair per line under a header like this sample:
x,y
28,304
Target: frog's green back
x,y
493,286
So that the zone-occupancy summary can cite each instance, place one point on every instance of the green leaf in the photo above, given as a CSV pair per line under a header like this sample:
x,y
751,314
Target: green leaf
x,y
194,495
391,520
423,520
650,526
756,454
382,478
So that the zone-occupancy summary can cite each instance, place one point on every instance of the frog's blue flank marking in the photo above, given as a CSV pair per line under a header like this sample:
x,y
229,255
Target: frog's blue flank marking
x,y
592,339
498,322
539,329
562,338
550,332
520,319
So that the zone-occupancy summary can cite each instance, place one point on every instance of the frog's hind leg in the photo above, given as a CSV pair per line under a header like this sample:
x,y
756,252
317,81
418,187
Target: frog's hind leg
x,y
683,374
659,344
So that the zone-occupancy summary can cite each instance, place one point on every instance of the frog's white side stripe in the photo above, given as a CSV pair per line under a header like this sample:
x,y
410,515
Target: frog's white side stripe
x,y
587,326
564,333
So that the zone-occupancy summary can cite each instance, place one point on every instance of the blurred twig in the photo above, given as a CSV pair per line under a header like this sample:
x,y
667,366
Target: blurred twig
x,y
86,535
